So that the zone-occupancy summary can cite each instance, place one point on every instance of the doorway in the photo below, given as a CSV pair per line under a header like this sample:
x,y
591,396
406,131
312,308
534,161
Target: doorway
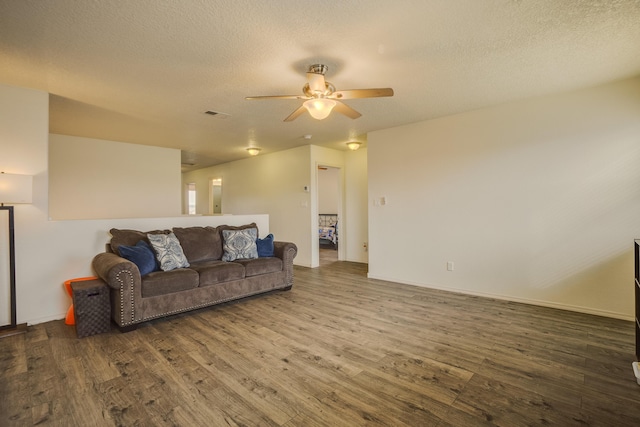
x,y
329,224
215,196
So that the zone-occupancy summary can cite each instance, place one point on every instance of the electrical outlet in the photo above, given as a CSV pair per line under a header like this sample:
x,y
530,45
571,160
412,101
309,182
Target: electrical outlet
x,y
450,266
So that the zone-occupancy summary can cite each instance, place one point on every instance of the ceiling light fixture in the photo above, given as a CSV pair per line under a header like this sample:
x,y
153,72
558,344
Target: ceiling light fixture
x,y
353,145
253,151
319,108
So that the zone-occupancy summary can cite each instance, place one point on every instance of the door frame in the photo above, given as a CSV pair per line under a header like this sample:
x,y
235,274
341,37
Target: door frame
x,y
342,226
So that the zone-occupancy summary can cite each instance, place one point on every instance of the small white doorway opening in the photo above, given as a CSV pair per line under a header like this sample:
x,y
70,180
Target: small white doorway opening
x,y
329,221
215,196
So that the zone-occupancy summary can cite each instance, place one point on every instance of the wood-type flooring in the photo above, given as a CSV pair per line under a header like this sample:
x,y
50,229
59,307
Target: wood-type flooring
x,y
337,350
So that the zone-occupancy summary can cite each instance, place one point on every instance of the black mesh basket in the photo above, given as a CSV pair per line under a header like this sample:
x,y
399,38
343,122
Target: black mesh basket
x,y
91,306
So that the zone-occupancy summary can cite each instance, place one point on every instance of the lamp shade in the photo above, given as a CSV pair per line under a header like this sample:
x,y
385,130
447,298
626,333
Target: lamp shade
x,y
15,188
319,108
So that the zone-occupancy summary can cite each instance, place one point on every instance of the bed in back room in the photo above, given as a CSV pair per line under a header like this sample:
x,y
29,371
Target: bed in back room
x,y
328,230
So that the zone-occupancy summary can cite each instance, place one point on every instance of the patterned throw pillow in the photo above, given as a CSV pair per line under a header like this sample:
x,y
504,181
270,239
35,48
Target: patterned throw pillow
x,y
168,251
239,244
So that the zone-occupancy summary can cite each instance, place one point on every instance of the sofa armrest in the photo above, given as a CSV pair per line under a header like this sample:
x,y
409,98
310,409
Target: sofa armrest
x,y
286,251
123,277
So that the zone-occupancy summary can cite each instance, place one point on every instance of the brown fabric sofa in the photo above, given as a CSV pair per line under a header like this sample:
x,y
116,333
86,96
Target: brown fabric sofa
x,y
207,281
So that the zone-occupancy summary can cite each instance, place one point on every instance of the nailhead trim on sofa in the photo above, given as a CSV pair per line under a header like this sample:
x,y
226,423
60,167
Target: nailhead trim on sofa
x,y
119,279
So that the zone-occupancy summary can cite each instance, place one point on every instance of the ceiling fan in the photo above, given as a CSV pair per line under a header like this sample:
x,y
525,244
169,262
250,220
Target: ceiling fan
x,y
322,97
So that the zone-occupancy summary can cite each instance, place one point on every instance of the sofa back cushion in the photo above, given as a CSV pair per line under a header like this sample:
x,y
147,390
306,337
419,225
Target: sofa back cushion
x,y
200,243
130,237
237,227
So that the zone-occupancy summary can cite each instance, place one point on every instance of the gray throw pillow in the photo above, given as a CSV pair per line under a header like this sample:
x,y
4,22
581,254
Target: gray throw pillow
x,y
239,244
168,250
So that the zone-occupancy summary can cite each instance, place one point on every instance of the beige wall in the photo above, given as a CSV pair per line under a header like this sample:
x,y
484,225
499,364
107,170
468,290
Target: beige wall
x,y
24,122
50,252
96,179
356,213
271,184
536,201
274,184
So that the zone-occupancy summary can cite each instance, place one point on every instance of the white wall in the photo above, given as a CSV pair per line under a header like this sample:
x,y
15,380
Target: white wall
x,y
270,183
536,201
94,179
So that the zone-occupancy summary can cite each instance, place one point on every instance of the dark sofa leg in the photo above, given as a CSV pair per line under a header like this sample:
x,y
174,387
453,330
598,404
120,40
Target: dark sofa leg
x,y
130,328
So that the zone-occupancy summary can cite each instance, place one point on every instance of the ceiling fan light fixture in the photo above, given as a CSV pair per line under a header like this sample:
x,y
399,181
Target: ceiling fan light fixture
x,y
353,145
319,108
254,151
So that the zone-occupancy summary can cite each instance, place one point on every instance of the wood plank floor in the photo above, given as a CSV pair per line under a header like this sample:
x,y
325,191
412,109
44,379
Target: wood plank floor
x,y
327,257
337,350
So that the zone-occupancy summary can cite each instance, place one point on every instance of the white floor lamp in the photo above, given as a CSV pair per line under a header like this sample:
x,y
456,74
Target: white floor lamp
x,y
13,189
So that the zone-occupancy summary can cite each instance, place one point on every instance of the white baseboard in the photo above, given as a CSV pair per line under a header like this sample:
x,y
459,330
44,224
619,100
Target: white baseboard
x,y
46,319
542,303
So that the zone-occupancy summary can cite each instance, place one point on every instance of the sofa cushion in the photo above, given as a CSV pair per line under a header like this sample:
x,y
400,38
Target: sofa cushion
x,y
130,237
167,282
212,272
141,255
265,246
239,244
168,250
200,243
255,267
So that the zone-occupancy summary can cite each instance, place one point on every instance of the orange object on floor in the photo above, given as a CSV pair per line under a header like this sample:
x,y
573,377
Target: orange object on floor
x,y
70,317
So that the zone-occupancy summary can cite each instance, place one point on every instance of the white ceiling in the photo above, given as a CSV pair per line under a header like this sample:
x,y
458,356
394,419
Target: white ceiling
x,y
145,71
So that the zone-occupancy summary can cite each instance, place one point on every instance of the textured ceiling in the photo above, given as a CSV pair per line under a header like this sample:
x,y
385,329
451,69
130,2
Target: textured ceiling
x,y
145,71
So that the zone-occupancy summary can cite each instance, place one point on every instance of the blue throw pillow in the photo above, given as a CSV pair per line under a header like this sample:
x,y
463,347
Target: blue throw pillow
x,y
141,255
265,246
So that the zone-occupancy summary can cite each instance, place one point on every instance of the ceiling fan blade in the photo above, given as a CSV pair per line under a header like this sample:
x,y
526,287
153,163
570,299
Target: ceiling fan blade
x,y
346,110
316,82
277,97
362,93
295,114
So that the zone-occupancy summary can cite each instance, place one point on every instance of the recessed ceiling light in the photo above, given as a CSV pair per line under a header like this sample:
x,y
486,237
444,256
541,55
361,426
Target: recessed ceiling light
x,y
354,145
